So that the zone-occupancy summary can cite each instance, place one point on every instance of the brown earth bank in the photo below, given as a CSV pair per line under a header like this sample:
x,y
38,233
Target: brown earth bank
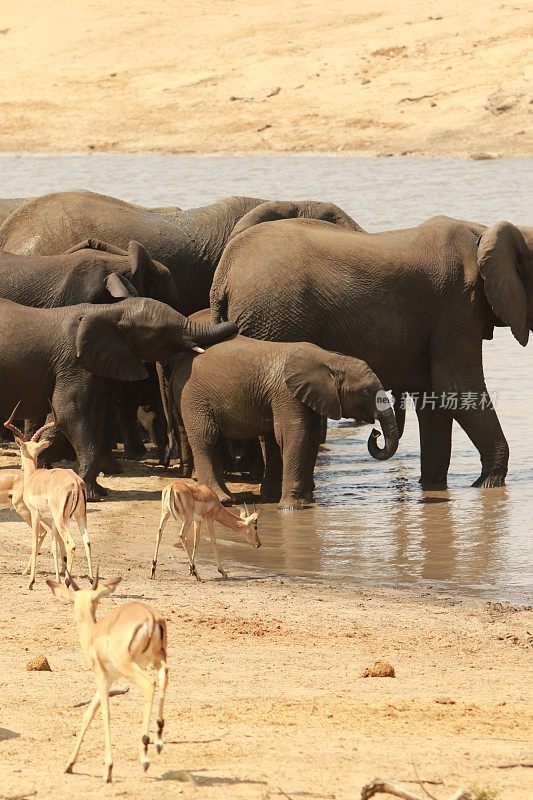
x,y
433,77
266,697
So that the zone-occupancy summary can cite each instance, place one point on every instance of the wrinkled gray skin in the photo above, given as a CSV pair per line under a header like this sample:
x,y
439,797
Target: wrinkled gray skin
x,y
246,388
415,304
189,243
68,354
90,272
93,272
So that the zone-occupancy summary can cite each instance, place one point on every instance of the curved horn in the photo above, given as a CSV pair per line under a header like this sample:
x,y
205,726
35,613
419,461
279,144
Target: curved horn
x,y
94,584
13,428
46,427
70,582
246,509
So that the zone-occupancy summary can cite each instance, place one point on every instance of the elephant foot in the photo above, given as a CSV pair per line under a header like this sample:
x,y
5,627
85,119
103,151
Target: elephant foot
x,y
95,492
433,484
291,504
109,465
489,482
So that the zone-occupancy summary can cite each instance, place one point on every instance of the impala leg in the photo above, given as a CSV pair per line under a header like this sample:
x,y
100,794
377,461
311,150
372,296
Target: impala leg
x,y
82,525
35,528
220,565
197,526
54,546
162,676
42,535
103,692
87,719
162,522
146,684
183,539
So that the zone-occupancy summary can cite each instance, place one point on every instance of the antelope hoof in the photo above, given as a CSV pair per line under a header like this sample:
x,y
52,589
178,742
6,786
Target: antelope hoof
x,y
30,585
192,571
68,769
146,764
223,573
108,774
158,748
152,571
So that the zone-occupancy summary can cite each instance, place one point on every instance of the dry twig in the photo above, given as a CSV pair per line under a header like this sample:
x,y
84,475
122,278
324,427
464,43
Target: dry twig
x,y
382,787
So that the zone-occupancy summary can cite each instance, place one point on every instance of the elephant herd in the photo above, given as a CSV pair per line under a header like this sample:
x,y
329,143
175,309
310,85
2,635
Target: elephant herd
x,y
264,318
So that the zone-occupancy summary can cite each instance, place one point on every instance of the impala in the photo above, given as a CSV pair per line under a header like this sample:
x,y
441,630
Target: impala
x,y
194,504
129,639
11,496
56,495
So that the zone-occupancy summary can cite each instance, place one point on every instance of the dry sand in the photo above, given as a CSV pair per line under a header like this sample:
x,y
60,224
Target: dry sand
x,y
265,698
431,77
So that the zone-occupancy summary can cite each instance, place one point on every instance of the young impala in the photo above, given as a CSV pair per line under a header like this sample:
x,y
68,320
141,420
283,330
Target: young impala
x,y
11,496
194,504
129,639
56,495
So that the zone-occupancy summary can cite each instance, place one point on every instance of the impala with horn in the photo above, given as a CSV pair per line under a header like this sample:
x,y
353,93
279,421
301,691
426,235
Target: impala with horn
x,y
194,504
125,643
53,495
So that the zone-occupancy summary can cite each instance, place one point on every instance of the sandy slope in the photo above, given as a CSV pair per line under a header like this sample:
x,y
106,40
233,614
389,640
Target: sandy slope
x,y
431,77
266,698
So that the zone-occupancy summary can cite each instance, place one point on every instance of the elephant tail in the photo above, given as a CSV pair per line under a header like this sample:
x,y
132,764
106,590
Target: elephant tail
x,y
164,389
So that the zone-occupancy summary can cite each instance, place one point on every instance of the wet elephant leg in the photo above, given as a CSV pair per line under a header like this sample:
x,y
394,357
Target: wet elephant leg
x,y
272,477
483,428
298,438
78,404
435,427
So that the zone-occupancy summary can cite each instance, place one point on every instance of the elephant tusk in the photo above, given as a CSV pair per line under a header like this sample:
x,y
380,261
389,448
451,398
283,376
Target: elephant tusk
x,y
197,349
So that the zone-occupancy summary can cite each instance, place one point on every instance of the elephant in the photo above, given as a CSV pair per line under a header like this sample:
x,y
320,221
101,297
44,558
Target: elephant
x,y
94,272
189,243
66,357
89,272
415,304
245,388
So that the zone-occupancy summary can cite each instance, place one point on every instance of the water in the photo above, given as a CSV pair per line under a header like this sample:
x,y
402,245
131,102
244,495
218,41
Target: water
x,y
371,525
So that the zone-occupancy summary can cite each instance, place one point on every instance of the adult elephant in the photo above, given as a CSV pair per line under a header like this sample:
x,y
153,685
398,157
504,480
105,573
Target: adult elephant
x,y
189,243
67,356
415,304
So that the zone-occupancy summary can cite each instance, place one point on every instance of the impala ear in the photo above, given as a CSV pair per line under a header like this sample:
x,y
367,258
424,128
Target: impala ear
x,y
106,588
102,348
61,591
505,265
119,286
314,383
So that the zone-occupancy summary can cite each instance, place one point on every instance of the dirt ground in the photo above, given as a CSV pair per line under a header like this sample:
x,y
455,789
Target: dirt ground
x,y
265,697
433,77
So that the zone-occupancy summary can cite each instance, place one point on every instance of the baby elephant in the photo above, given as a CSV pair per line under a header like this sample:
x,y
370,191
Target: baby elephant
x,y
245,388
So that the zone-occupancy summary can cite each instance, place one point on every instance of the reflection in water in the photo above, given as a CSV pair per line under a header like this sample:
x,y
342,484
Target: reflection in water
x,y
371,524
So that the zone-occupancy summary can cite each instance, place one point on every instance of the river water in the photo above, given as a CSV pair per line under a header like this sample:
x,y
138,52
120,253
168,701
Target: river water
x,y
371,525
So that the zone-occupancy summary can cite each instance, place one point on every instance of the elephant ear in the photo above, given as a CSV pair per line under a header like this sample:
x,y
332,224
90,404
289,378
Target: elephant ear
x,y
265,212
314,383
142,266
119,286
102,349
504,263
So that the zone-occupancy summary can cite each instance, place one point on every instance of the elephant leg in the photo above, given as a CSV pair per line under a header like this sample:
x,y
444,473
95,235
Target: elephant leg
x,y
298,439
186,457
204,440
483,428
134,446
152,419
77,401
108,464
272,477
435,427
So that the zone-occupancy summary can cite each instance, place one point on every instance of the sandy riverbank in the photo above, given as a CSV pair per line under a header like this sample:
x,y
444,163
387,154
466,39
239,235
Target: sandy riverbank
x,y
436,77
266,698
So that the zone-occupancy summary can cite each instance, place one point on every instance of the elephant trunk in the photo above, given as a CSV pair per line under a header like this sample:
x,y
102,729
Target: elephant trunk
x,y
387,419
206,335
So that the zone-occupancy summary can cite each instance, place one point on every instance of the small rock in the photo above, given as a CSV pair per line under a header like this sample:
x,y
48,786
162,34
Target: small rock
x,y
499,102
365,81
274,92
38,664
264,128
381,669
445,701
482,156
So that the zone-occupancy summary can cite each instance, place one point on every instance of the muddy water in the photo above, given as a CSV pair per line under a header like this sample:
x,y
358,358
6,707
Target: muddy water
x,y
371,523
